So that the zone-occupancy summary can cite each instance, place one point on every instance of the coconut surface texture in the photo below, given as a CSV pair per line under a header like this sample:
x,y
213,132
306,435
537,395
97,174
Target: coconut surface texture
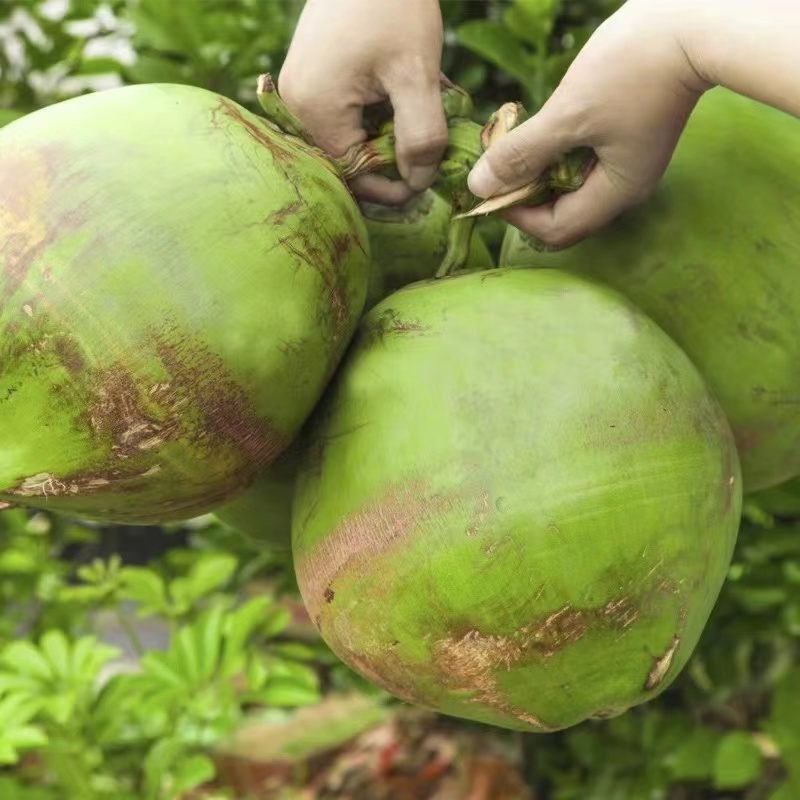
x,y
714,257
518,503
178,281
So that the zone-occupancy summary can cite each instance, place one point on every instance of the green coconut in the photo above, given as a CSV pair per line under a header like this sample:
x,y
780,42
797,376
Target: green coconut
x,y
714,258
178,281
264,511
518,501
408,244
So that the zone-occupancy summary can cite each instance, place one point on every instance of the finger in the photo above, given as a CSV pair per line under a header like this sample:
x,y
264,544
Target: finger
x,y
378,189
333,121
575,216
523,154
420,130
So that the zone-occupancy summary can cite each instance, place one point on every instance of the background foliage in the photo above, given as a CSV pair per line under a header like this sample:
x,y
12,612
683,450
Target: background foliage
x,y
84,716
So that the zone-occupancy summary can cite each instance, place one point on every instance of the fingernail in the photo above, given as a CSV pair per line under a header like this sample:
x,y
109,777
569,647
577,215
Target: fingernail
x,y
420,178
482,181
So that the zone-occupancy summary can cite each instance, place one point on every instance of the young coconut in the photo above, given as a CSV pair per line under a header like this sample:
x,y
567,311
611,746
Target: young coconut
x,y
178,280
714,258
518,503
409,243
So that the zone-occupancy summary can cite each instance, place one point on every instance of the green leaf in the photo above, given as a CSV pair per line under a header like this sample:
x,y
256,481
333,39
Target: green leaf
x,y
155,665
497,44
212,571
24,658
239,626
56,650
17,709
26,737
294,650
8,753
8,115
158,762
532,20
99,66
784,721
276,622
208,573
184,656
156,69
18,562
60,707
738,761
301,674
146,588
694,759
191,773
286,693
208,641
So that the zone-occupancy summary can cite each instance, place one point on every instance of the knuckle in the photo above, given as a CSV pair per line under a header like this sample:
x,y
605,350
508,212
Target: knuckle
x,y
556,235
427,141
511,162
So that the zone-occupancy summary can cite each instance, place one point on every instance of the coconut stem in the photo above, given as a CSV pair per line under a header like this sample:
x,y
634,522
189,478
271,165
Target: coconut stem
x,y
459,240
276,110
467,142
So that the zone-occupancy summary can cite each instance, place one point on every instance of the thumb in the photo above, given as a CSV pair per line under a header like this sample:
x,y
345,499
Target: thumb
x,y
420,131
521,156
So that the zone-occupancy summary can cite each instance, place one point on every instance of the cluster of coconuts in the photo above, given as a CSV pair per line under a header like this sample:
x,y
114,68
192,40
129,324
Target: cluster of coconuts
x,y
511,494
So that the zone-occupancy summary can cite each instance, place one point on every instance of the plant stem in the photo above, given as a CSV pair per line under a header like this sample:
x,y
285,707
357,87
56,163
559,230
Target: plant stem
x,y
276,110
459,239
467,142
129,631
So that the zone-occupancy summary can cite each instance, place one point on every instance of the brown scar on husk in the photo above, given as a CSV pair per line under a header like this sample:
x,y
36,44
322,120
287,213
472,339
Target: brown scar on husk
x,y
121,412
199,377
265,136
279,216
301,245
365,534
46,485
469,663
661,665
390,322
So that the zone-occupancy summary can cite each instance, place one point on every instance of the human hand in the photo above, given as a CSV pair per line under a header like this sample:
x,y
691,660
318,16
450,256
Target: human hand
x,y
346,54
627,95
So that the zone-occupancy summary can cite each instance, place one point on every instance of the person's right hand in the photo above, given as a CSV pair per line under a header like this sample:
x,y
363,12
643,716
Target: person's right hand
x,y
346,54
627,95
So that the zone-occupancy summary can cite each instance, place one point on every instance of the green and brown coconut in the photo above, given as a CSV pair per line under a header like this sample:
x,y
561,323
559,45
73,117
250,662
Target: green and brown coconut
x,y
518,501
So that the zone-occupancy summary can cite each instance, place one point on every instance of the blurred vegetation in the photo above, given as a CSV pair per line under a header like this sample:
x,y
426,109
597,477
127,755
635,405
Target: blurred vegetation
x,y
76,723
